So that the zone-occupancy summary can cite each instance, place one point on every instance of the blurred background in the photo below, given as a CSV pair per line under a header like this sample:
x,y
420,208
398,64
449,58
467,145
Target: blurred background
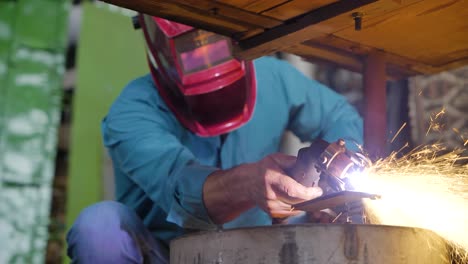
x,y
63,62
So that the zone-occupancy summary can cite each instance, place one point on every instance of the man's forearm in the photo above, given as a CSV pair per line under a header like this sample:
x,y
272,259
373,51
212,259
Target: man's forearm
x,y
228,193
224,195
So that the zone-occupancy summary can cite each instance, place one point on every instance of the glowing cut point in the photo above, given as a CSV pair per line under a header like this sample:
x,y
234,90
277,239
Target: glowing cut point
x,y
361,182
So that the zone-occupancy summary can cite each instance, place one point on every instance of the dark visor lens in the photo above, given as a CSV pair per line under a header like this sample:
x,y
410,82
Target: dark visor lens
x,y
221,105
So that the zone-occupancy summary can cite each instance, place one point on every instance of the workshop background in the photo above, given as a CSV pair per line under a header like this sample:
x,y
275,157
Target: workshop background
x,y
63,62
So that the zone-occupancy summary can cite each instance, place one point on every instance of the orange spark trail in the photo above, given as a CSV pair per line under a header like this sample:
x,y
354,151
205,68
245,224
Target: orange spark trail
x,y
425,189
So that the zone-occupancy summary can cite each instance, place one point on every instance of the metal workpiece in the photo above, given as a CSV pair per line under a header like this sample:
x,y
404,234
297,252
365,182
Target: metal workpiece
x,y
312,243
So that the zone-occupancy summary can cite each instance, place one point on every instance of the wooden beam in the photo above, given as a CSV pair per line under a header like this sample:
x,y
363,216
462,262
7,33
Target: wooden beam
x,y
256,6
293,31
330,29
358,49
295,8
208,15
320,53
231,12
349,55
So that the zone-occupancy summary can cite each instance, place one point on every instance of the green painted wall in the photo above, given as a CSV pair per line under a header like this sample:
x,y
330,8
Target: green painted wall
x,y
32,45
110,54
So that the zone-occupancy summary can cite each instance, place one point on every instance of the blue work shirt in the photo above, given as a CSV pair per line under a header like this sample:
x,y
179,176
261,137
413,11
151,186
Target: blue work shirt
x,y
160,166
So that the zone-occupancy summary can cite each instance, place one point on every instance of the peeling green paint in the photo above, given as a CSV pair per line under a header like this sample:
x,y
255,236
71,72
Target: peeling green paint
x,y
23,224
32,46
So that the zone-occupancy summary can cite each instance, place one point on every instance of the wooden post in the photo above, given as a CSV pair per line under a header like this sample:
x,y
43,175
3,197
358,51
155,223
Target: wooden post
x,y
375,113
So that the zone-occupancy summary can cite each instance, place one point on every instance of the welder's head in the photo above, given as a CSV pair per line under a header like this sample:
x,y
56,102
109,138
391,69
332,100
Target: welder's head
x,y
209,91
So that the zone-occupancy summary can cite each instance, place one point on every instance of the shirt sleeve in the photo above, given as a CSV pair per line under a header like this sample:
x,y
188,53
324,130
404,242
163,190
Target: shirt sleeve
x,y
144,144
316,111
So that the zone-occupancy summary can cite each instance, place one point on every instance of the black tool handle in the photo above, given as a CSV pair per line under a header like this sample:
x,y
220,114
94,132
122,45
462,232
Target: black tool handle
x,y
306,171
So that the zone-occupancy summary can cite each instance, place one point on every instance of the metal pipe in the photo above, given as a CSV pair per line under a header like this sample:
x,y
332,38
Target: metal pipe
x,y
312,243
375,112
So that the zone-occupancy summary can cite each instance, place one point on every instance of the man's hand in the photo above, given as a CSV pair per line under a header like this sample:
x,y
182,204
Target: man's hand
x,y
229,193
271,189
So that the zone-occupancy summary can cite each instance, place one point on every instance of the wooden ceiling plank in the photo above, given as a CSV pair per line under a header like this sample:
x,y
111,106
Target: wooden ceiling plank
x,y
294,32
236,3
185,15
217,8
332,35
397,32
296,8
264,5
256,6
215,17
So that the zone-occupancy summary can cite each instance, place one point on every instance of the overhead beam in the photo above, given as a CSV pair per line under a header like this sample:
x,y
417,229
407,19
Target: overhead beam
x,y
320,53
350,55
208,15
293,31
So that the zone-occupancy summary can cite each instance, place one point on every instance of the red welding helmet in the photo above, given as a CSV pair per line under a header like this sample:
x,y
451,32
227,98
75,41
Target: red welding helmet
x,y
209,91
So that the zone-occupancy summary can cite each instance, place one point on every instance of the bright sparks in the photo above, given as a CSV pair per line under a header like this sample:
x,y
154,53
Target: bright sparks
x,y
398,132
434,124
427,188
462,137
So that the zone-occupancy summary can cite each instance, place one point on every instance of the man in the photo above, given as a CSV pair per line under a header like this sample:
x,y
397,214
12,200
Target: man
x,y
194,145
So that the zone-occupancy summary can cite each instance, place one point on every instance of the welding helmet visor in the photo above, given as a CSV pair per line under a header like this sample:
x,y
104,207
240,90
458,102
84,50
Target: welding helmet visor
x,y
209,91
